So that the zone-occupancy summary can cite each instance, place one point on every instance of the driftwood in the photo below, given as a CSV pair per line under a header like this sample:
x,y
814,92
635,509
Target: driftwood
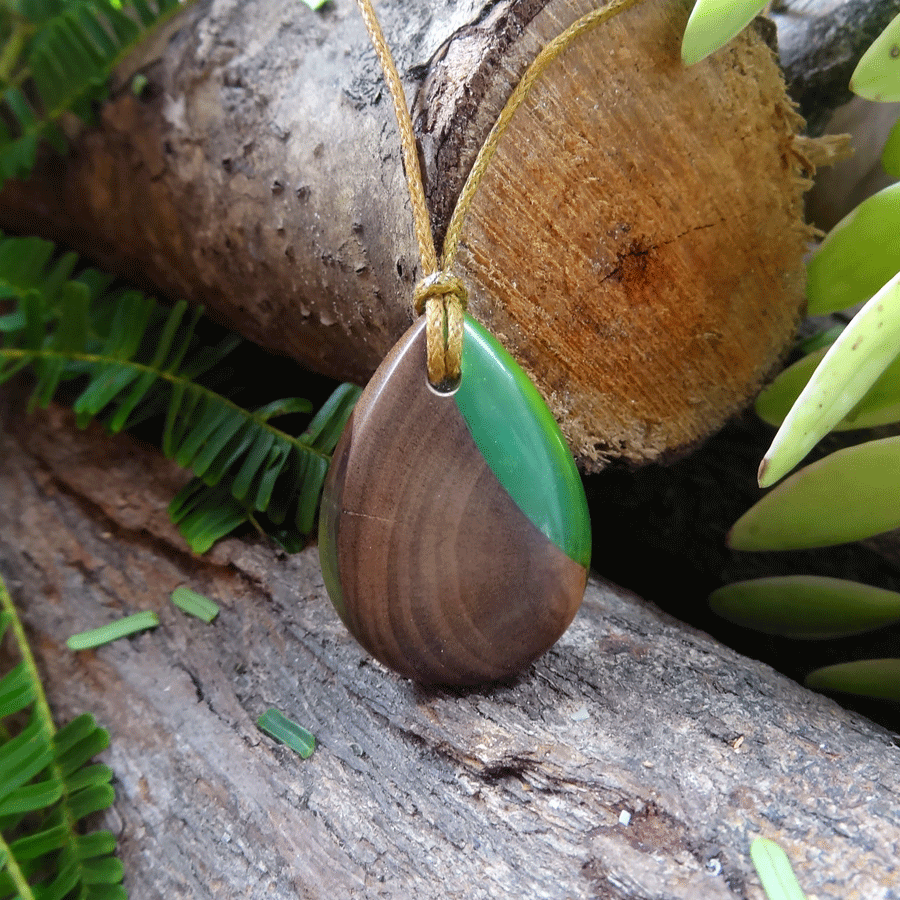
x,y
636,243
636,760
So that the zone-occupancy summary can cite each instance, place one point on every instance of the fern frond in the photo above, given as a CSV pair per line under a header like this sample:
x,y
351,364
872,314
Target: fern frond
x,y
46,788
56,58
138,359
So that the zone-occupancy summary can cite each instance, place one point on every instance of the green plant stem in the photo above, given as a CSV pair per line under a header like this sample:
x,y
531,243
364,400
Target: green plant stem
x,y
11,865
174,380
42,710
40,701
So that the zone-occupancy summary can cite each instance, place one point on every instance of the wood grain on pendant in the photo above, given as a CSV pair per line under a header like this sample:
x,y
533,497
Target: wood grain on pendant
x,y
430,562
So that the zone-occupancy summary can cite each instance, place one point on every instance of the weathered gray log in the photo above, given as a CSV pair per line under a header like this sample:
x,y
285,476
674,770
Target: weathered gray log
x,y
634,762
636,243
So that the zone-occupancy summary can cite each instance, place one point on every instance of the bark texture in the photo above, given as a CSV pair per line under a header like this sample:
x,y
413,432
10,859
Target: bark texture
x,y
635,761
636,243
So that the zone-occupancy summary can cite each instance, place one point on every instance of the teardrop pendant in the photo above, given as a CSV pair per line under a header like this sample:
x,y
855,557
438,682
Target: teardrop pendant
x,y
454,534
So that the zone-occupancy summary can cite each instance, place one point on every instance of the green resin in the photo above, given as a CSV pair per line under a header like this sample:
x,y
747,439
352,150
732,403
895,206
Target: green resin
x,y
521,442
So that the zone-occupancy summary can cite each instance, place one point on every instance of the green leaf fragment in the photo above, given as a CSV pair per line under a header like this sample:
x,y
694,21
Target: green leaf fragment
x,y
877,74
105,870
850,495
95,844
857,256
713,23
252,465
16,691
89,776
77,731
852,365
774,870
195,604
288,732
314,478
877,678
315,4
806,606
31,797
90,800
113,631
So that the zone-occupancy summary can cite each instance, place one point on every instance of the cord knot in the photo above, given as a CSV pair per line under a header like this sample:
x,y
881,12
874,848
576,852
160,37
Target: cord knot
x,y
440,286
443,298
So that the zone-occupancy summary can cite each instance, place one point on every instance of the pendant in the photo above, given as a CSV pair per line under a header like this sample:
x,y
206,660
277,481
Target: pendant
x,y
454,533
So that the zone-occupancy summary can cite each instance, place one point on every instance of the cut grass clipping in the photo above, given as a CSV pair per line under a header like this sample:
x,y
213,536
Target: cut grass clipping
x,y
113,631
279,726
774,870
195,604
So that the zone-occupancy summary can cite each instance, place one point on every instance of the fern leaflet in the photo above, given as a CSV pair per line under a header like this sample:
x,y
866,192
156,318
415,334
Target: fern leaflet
x,y
56,57
137,359
46,788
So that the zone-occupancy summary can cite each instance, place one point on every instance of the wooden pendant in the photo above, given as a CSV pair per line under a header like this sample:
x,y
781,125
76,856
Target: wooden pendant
x,y
454,533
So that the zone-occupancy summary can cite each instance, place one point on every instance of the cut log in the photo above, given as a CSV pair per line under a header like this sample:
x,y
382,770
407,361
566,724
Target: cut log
x,y
635,761
636,242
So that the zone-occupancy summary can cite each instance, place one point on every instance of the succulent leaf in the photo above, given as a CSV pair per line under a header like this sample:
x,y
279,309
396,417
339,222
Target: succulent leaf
x,y
850,495
852,365
857,256
713,23
877,74
879,678
879,406
806,606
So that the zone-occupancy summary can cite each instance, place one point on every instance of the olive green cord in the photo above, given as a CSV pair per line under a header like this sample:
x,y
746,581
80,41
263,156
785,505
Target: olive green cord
x,y
440,294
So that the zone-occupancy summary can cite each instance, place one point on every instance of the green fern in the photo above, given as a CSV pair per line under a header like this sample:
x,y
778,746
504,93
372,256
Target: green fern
x,y
47,788
56,56
136,360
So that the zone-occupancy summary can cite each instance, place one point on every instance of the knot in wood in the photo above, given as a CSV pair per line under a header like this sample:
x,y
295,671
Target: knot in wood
x,y
439,286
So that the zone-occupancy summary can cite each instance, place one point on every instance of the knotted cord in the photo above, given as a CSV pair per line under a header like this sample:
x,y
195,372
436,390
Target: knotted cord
x,y
440,294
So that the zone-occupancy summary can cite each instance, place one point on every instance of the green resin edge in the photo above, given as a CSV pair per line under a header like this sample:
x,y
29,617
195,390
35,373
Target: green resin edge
x,y
521,442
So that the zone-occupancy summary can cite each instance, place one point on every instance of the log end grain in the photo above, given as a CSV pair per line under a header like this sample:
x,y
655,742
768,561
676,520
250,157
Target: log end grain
x,y
637,241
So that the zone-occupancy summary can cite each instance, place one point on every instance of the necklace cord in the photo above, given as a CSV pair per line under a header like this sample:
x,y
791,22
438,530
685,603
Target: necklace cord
x,y
440,294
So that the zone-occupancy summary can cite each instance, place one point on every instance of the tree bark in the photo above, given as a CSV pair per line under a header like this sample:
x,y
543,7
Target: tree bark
x,y
635,761
636,242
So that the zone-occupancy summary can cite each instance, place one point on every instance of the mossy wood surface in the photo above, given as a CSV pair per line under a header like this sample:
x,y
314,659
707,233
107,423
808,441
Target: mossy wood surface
x,y
636,244
517,791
